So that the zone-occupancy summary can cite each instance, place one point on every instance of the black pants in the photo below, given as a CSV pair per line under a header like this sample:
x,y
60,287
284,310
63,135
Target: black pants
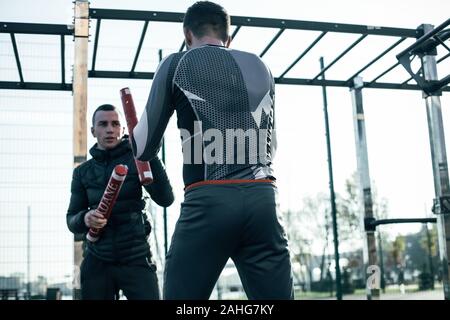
x,y
102,280
241,221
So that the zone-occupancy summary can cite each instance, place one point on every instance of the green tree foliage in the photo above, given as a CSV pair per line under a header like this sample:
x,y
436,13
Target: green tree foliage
x,y
398,250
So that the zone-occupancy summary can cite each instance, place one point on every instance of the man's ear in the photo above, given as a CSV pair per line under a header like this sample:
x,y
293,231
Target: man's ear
x,y
188,37
228,42
93,132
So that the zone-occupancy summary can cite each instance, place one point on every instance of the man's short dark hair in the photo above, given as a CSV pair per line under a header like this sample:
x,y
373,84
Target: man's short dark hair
x,y
104,107
205,18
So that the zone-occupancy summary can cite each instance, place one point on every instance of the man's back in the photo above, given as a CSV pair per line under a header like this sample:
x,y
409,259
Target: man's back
x,y
225,107
224,101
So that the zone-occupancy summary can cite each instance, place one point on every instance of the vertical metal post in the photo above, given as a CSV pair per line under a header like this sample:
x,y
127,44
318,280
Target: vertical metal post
x,y
370,250
332,193
80,76
430,256
163,150
28,252
440,166
382,276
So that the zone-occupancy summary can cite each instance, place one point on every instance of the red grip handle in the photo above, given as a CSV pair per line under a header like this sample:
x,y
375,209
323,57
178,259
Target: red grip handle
x,y
143,167
109,198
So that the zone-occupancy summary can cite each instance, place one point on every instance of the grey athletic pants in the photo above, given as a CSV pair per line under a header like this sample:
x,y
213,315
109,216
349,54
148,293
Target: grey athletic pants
x,y
241,221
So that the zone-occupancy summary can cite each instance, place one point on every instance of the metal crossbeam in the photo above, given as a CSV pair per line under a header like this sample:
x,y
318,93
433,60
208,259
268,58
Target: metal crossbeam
x,y
141,41
256,22
97,33
238,21
385,72
275,38
63,60
340,56
16,56
416,45
235,32
36,86
120,74
303,53
36,28
376,59
278,80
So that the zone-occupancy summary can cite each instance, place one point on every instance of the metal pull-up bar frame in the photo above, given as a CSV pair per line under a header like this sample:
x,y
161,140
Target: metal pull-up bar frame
x,y
440,35
426,45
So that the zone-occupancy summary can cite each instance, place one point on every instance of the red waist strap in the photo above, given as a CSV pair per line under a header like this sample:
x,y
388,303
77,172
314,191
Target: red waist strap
x,y
235,181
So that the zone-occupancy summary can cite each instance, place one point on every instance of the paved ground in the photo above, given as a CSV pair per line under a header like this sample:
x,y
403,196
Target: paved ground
x,y
437,294
420,295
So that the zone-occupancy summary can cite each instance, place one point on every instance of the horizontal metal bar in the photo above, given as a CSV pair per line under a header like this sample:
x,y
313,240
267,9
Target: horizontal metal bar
x,y
120,74
149,75
271,42
36,86
289,81
308,82
344,84
36,28
303,53
114,14
376,59
441,83
386,85
322,26
340,56
423,38
405,220
257,22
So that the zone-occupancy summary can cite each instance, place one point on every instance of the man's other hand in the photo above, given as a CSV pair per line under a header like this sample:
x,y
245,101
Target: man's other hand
x,y
93,219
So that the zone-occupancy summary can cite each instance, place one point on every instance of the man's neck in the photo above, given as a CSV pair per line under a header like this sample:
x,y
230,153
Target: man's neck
x,y
196,43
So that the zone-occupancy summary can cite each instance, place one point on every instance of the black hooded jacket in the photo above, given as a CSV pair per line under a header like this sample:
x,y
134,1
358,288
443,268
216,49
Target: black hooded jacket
x,y
125,235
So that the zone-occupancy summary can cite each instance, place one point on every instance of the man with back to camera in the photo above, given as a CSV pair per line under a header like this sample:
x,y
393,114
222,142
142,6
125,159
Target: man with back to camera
x,y
121,258
224,101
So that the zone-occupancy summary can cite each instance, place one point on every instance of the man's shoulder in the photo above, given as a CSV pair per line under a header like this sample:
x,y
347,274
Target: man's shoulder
x,y
84,166
172,58
248,56
250,59
168,64
244,53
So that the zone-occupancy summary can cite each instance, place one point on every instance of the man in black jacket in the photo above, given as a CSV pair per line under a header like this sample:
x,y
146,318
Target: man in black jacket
x,y
121,258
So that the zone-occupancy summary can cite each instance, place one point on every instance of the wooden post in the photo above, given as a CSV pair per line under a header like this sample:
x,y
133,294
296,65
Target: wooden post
x,y
80,77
